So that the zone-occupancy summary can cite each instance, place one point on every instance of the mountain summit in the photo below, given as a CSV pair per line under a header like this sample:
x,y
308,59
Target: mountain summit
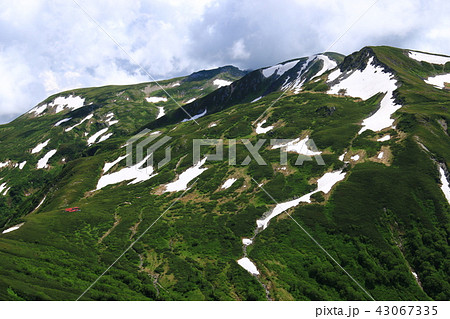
x,y
204,180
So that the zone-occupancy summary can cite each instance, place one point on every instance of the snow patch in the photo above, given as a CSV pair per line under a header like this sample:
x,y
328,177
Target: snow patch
x,y
384,138
175,84
334,75
298,146
38,110
445,185
42,163
382,118
279,69
108,166
324,184
328,64
161,112
247,241
191,100
62,121
430,58
186,177
16,227
257,99
341,157
156,99
70,102
261,130
380,156
219,83
439,80
4,164
40,147
365,84
135,173
228,183
248,265
355,157
22,165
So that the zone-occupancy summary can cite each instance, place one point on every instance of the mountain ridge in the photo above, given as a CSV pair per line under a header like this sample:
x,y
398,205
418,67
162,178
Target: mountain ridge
x,y
386,219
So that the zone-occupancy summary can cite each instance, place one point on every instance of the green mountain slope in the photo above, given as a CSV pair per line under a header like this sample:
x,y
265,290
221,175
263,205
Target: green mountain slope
x,y
386,220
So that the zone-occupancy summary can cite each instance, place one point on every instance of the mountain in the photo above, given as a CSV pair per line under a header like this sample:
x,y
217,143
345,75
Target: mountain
x,y
364,172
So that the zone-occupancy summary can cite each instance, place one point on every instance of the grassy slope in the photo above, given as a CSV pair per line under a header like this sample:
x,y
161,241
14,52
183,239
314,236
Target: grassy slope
x,y
130,108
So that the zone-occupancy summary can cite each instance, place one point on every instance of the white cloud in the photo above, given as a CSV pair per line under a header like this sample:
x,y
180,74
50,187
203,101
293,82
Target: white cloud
x,y
238,50
47,46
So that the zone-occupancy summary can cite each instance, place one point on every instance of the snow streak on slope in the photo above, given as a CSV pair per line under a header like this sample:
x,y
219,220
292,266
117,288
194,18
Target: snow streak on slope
x,y
16,227
91,140
82,121
42,163
296,85
195,117
261,130
219,83
430,58
445,184
104,137
135,173
279,69
186,177
109,119
324,184
4,189
365,84
439,80
62,121
40,147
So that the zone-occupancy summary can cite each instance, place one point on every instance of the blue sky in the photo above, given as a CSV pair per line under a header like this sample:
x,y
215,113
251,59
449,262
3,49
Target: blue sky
x,y
51,46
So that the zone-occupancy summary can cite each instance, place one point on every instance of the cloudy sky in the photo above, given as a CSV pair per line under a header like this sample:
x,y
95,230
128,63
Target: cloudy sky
x,y
50,46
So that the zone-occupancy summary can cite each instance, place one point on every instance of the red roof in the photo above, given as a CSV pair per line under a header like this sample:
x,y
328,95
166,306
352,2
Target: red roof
x,y
72,209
